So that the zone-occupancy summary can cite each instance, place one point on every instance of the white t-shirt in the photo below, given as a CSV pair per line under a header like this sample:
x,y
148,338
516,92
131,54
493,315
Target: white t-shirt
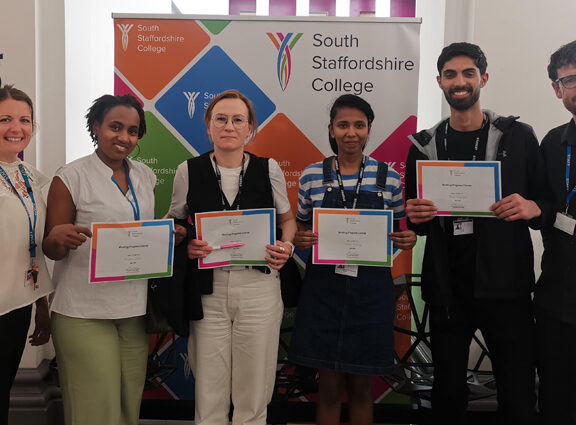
x,y
179,208
15,290
98,199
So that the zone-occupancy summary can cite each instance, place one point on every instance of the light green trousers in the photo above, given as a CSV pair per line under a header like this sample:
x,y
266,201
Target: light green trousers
x,y
102,368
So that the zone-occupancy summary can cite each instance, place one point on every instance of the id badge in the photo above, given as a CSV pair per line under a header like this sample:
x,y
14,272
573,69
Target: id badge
x,y
463,227
346,270
565,223
31,277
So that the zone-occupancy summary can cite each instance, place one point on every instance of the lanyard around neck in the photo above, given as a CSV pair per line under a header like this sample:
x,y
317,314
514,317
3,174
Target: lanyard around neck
x,y
573,191
31,225
134,204
358,182
225,204
476,142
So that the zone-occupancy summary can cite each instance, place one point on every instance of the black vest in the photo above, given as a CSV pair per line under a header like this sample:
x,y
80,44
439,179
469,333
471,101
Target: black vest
x,y
204,192
204,195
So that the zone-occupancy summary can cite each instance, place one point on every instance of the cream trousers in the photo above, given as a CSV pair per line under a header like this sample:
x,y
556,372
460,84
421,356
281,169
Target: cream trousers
x,y
233,350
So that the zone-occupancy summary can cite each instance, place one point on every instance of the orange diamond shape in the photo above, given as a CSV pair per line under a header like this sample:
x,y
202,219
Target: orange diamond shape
x,y
150,52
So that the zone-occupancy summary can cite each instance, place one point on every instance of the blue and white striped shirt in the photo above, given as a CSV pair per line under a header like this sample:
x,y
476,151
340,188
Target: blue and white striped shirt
x,y
311,190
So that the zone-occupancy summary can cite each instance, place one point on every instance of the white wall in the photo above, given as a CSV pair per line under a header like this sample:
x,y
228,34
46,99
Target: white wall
x,y
17,44
523,35
431,44
51,82
518,38
90,60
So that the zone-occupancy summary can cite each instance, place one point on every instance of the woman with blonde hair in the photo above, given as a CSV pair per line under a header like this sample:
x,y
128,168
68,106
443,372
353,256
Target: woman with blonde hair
x,y
233,349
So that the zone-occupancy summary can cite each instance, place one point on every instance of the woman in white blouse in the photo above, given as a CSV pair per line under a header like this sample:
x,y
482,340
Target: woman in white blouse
x,y
98,329
25,280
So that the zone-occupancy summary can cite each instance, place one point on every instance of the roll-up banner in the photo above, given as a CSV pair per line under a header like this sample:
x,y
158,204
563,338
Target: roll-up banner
x,y
292,68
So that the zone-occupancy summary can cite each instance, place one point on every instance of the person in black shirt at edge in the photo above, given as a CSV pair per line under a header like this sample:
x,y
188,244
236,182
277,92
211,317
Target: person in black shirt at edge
x,y
477,273
555,296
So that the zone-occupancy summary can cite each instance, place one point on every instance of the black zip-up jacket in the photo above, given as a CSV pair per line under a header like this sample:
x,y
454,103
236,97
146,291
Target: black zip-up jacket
x,y
504,254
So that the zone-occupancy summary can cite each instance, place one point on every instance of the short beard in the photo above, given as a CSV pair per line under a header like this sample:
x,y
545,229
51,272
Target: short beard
x,y
570,106
462,104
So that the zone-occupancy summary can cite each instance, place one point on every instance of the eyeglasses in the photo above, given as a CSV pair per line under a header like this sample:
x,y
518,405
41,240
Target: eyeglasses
x,y
569,82
238,121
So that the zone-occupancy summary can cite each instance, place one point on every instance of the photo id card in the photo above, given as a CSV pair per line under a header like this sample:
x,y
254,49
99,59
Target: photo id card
x,y
565,223
463,227
347,270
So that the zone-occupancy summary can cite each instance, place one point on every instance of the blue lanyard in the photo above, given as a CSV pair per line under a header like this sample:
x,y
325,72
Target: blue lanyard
x,y
573,191
31,226
134,205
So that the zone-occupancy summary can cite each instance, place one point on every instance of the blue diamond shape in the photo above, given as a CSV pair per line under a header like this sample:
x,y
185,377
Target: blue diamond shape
x,y
184,104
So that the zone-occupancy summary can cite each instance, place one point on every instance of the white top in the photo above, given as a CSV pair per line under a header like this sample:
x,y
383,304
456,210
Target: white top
x,y
98,199
15,290
179,208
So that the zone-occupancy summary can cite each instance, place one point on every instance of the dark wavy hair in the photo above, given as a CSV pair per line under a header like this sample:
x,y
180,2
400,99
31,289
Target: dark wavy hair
x,y
470,50
349,101
565,55
103,104
10,92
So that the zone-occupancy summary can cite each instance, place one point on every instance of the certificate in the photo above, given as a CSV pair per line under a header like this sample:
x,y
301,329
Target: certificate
x,y
131,250
460,188
357,237
252,229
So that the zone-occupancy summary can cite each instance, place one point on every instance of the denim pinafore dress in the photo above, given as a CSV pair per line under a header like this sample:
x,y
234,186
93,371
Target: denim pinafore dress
x,y
345,323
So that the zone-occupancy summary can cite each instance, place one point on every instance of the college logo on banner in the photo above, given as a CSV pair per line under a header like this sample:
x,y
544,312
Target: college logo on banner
x,y
206,79
284,61
125,29
191,96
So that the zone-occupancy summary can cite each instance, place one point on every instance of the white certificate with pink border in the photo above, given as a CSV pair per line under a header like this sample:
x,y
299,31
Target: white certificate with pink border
x,y
460,188
353,237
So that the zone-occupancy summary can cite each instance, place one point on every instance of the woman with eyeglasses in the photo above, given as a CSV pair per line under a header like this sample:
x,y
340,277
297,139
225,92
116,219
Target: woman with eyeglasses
x,y
233,349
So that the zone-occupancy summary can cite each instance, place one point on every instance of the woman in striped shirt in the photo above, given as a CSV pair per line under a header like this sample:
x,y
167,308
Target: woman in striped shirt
x,y
344,324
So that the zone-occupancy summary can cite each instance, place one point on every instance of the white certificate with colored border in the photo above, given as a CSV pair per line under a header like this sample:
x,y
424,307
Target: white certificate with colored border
x,y
460,188
255,228
353,237
131,250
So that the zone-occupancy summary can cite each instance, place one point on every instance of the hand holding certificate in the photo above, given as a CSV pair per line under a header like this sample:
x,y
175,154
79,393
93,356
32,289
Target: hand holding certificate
x,y
355,237
460,188
131,250
237,237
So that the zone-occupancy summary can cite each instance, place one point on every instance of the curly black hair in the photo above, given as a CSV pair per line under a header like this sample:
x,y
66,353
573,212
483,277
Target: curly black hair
x,y
103,104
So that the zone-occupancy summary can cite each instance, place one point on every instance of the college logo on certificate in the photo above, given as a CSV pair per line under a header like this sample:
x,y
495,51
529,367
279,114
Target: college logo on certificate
x,y
353,237
131,250
239,237
460,188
